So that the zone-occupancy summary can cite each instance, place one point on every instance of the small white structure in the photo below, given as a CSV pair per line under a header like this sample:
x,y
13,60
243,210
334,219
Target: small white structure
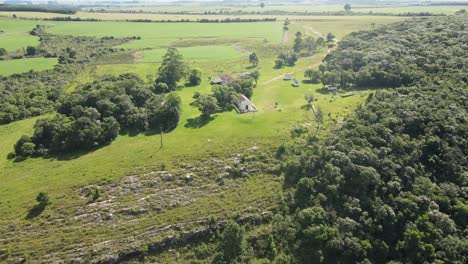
x,y
244,105
332,88
295,83
287,77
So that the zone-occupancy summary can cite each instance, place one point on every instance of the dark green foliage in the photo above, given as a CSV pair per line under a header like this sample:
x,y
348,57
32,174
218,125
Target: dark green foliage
x,y
298,42
24,147
43,199
384,179
412,52
38,8
390,184
253,59
31,51
286,59
233,243
172,69
207,105
195,77
93,116
35,93
3,51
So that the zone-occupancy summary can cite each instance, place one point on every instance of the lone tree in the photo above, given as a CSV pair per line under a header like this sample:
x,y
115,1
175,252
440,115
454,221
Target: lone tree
x,y
255,75
330,37
262,5
233,243
172,69
309,98
207,104
253,59
347,7
298,42
195,77
43,199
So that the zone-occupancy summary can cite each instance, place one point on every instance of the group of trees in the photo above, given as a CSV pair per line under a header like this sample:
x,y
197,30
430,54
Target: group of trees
x,y
173,70
301,46
388,186
35,93
413,52
224,96
97,112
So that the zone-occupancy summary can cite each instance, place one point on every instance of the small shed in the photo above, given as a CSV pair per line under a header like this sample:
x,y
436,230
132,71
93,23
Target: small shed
x,y
332,88
244,105
287,77
295,83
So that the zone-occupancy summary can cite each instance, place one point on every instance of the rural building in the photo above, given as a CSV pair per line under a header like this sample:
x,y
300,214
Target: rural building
x,y
332,88
295,83
223,79
244,105
287,77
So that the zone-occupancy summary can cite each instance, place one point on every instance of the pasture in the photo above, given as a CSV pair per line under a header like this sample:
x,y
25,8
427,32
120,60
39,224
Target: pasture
x,y
16,35
280,108
10,67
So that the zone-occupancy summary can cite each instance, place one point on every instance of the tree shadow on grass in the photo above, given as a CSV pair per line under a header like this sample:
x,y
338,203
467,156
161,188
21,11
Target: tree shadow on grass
x,y
35,211
198,122
250,67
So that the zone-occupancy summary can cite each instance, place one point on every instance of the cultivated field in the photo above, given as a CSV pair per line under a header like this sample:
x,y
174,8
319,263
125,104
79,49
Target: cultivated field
x,y
394,9
69,224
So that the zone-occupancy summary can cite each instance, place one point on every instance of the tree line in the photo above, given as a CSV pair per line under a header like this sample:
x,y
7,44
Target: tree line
x,y
402,54
388,186
37,8
35,93
97,112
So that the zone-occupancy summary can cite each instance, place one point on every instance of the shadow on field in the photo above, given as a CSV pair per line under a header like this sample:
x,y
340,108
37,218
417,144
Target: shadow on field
x,y
198,122
35,211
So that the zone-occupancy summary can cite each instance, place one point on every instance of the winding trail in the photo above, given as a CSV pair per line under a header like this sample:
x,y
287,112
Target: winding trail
x,y
313,31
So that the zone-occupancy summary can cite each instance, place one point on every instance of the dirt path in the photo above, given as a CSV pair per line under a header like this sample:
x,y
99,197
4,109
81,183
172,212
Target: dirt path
x,y
310,30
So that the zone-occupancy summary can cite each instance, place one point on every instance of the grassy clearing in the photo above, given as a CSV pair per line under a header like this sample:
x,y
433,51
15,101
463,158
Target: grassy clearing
x,y
156,35
200,53
10,67
16,34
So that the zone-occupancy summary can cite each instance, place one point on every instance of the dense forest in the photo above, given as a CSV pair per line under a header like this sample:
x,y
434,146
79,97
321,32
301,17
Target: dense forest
x,y
390,185
414,52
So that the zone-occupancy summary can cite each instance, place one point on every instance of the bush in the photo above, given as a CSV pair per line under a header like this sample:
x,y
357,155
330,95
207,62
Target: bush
x,y
43,199
24,147
195,77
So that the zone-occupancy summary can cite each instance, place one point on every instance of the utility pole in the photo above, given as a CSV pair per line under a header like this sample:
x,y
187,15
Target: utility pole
x,y
160,128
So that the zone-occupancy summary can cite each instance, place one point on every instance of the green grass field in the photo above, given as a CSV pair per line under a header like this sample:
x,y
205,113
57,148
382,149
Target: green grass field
x,y
16,34
280,107
200,53
10,67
